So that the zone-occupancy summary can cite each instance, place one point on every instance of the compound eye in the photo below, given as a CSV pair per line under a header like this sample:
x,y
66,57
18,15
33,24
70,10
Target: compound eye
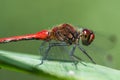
x,y
87,37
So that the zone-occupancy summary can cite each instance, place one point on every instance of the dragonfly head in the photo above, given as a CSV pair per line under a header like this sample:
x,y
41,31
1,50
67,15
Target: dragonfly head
x,y
87,36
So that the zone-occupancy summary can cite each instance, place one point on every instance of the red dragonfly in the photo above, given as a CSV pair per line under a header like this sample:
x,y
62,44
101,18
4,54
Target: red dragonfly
x,y
63,35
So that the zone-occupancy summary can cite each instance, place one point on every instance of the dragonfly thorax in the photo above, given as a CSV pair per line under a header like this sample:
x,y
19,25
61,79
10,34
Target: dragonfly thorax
x,y
65,33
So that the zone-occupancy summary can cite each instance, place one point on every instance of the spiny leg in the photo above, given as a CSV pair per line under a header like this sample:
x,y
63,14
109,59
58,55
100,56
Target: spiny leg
x,y
46,54
82,49
74,56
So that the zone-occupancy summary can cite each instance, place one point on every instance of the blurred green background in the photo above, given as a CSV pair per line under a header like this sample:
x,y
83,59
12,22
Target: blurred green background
x,y
19,17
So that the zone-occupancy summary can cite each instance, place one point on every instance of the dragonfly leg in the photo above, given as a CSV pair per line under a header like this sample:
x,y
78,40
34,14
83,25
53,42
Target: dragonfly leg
x,y
74,56
83,50
46,54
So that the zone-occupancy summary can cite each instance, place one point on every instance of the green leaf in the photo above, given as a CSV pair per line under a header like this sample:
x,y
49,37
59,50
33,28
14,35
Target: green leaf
x,y
54,70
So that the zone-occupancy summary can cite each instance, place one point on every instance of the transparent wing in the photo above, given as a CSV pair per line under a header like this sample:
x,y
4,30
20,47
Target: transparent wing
x,y
102,43
100,47
60,53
